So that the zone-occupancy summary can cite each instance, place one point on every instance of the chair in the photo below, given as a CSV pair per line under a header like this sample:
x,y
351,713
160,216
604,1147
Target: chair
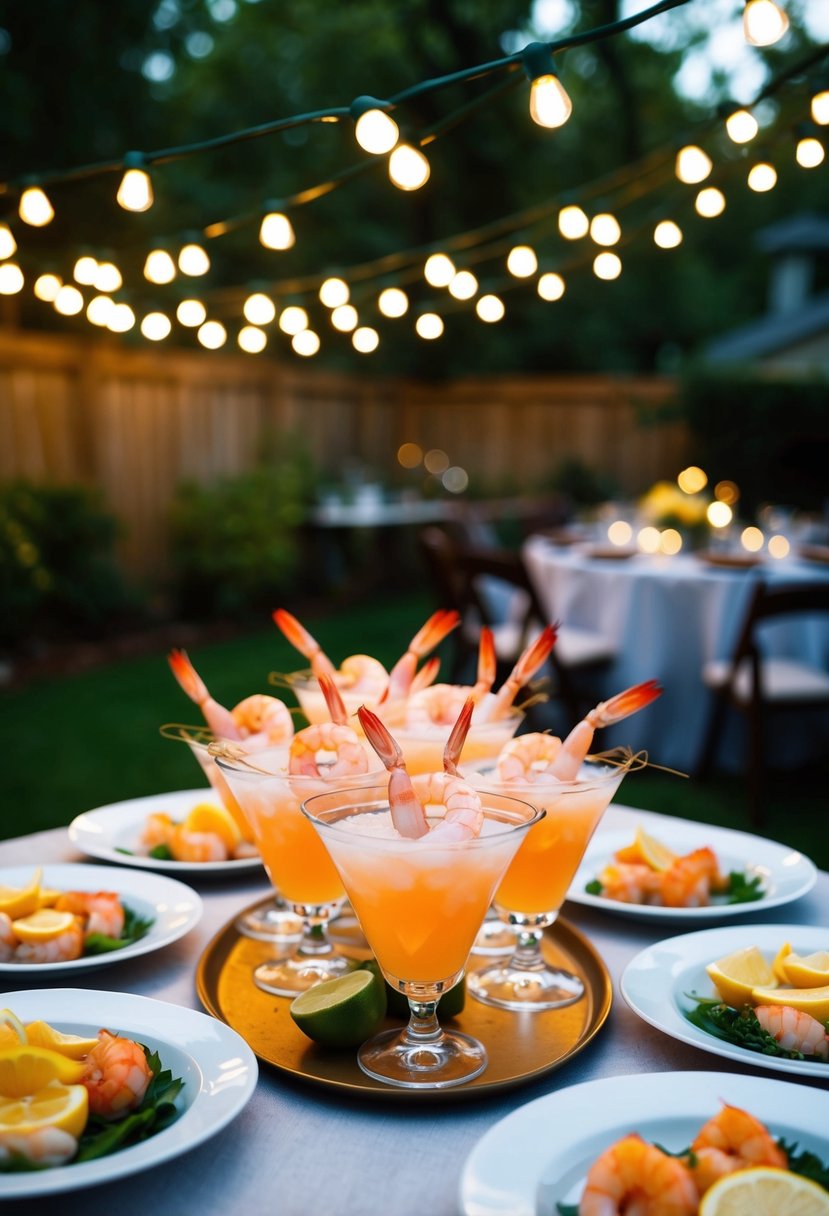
x,y
756,683
491,587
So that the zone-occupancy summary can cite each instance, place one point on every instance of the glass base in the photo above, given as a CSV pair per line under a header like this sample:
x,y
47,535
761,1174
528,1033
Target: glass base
x,y
536,988
494,937
447,1059
290,976
271,922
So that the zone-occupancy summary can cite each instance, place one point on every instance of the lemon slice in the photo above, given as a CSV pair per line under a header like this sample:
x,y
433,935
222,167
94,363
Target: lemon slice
x,y
42,925
808,1000
807,970
777,963
647,850
206,817
41,1034
47,898
343,1012
737,975
24,1070
764,1191
12,1030
62,1106
20,901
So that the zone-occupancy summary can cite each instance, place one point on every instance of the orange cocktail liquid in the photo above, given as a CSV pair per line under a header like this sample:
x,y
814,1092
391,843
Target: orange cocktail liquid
x,y
544,866
220,786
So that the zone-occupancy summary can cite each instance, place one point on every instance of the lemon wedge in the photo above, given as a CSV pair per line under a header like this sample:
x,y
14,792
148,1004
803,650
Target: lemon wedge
x,y
207,817
62,1106
808,1000
42,925
738,975
41,1034
777,963
647,850
24,1070
807,970
764,1190
20,901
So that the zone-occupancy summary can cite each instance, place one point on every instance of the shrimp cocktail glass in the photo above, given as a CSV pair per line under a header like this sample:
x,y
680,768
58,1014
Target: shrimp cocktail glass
x,y
574,791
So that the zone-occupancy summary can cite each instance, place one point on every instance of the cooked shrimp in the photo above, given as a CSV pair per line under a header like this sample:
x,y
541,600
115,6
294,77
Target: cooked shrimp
x,y
638,1179
196,846
101,909
575,747
116,1075
631,883
61,949
8,941
732,1140
794,1030
46,1146
463,815
158,829
328,746
528,664
426,676
263,721
360,673
688,881
438,626
435,706
301,640
528,757
219,719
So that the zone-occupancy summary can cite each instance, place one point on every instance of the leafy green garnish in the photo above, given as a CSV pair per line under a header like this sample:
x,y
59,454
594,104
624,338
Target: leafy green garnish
x,y
135,927
809,1165
568,1209
128,852
157,1111
594,887
738,1026
161,852
741,889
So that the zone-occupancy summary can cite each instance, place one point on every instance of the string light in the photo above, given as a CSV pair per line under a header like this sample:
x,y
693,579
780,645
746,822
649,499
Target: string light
x,y
550,104
68,301
11,280
193,260
607,266
375,130
393,302
522,261
344,318
85,270
47,287
334,292
135,191
692,480
365,339
293,320
259,309
121,319
463,285
809,152
551,286
710,202
752,539
762,177
276,231
252,340
490,308
778,547
191,313
605,229
35,208
429,326
741,126
408,168
156,326
7,242
572,222
692,165
305,343
667,234
159,267
99,310
820,107
764,22
212,334
439,270
108,278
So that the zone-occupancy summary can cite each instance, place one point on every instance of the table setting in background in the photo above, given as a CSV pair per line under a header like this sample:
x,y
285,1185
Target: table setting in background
x,y
347,954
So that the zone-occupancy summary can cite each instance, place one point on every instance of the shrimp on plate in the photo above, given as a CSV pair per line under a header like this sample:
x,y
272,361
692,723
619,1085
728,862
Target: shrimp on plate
x,y
196,846
62,948
631,883
8,940
116,1075
690,879
102,911
258,721
794,1029
45,1146
732,1140
633,1176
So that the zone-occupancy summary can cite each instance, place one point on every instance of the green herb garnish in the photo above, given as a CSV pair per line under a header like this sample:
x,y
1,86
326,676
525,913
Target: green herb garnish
x,y
738,1026
741,889
594,887
135,927
161,852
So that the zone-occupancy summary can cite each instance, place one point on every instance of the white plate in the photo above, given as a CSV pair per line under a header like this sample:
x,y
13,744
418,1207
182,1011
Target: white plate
x,y
218,1068
539,1155
102,832
656,981
785,873
175,908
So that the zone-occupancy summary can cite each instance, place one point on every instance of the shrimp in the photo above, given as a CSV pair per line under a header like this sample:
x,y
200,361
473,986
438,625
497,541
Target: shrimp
x,y
440,704
116,1075
577,744
158,829
732,1140
426,676
438,626
635,1177
487,664
46,1146
335,737
463,816
8,940
359,673
528,757
196,846
219,719
528,664
102,909
263,721
301,640
61,949
630,884
794,1029
688,881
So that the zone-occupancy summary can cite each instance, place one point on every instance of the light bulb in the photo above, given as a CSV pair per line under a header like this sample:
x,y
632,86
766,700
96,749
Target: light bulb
x,y
135,192
607,266
376,132
252,340
85,270
108,277
393,302
463,285
121,319
820,107
7,242
550,104
710,202
159,267
334,292
667,234
11,281
35,208
551,286
605,229
429,326
212,334
692,164
292,320
572,222
191,313
762,177
439,270
259,309
193,260
99,310
156,326
810,152
490,308
305,343
522,262
47,287
365,339
344,318
764,22
741,126
408,167
68,301
276,231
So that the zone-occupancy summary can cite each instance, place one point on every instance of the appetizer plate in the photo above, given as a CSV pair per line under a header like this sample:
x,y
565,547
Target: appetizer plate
x,y
174,908
785,873
539,1155
218,1069
657,983
113,832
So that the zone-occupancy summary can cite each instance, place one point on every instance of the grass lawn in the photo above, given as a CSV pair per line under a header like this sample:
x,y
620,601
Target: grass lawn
x,y
81,741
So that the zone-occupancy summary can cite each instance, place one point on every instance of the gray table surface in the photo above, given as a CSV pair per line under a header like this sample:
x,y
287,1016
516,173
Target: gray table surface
x,y
295,1150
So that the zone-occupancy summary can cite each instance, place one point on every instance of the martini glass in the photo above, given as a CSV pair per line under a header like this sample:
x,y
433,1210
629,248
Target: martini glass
x,y
296,861
423,745
420,904
534,887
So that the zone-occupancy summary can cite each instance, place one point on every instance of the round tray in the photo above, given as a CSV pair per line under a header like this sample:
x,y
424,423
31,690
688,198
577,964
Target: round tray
x,y
521,1046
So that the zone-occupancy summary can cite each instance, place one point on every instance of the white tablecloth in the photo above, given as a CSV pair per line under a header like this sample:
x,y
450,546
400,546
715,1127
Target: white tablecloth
x,y
667,616
295,1150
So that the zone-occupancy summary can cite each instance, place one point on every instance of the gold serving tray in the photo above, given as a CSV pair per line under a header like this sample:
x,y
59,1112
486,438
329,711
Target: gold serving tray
x,y
521,1046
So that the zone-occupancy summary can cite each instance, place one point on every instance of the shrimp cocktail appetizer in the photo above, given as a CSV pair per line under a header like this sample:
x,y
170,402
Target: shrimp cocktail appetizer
x,y
575,791
270,786
420,858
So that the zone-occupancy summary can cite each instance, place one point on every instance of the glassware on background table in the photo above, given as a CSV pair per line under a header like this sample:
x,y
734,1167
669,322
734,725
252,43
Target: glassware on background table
x,y
420,903
534,887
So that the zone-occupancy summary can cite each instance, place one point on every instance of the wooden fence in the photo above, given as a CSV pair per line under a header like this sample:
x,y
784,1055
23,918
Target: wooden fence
x,y
137,422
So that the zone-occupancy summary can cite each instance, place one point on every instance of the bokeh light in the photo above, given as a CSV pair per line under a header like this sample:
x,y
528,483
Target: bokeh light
x,y
692,480
455,479
752,539
670,541
410,455
727,491
436,461
648,539
779,546
719,514
620,532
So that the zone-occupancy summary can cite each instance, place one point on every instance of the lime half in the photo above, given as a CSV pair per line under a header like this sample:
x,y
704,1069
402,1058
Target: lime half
x,y
343,1012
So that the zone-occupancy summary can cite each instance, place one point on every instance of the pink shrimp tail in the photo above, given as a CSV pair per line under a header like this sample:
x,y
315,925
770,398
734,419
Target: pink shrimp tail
x,y
487,663
335,703
456,740
426,676
219,719
624,704
301,640
406,812
528,664
438,626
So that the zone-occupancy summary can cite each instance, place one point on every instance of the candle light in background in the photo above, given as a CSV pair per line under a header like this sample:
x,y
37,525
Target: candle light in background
x,y
752,539
670,541
692,479
779,546
620,533
648,539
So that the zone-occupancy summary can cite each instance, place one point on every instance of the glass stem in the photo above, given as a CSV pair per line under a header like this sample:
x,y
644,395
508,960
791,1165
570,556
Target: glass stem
x,y
527,956
314,939
423,1024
